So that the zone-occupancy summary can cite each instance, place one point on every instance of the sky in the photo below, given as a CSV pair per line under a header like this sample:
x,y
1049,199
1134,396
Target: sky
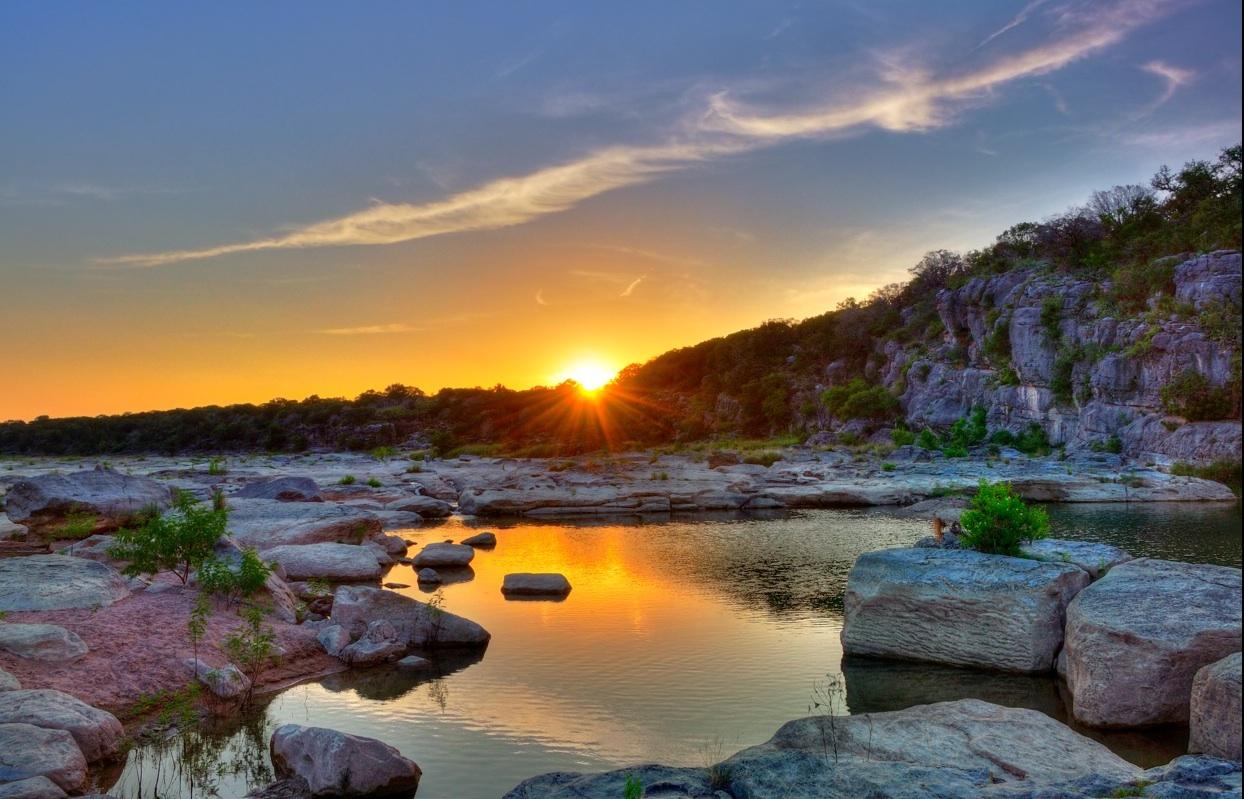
x,y
232,202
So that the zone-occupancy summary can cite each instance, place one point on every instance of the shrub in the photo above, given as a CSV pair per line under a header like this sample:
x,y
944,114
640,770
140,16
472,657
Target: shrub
x,y
178,541
901,436
997,521
1051,318
234,582
251,646
1061,380
348,480
1190,395
928,439
1224,471
383,453
1134,284
888,467
859,400
78,525
216,466
374,482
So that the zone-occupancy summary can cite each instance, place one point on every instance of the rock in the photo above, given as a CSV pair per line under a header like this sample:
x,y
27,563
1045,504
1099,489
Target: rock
x,y
429,576
1210,279
225,682
444,555
1136,638
526,584
98,733
378,645
31,788
46,642
1096,559
282,489
94,547
415,663
948,509
417,625
334,562
9,531
42,503
950,750
426,507
28,751
336,764
334,638
483,540
958,607
57,582
284,601
266,523
394,545
1215,710
8,682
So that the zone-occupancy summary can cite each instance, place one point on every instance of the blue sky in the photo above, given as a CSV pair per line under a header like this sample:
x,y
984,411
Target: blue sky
x,y
251,200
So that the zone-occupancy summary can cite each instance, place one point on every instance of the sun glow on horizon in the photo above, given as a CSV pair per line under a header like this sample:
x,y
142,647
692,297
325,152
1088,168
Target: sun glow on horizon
x,y
591,375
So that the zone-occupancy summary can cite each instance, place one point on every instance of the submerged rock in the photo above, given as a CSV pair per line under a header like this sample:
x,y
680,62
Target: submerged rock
x,y
485,540
416,624
43,503
28,751
97,732
1137,637
429,576
336,764
958,607
58,582
1215,712
46,642
282,489
525,584
444,556
335,562
225,682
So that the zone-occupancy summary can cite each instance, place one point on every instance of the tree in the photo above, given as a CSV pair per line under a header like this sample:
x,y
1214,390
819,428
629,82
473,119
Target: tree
x,y
1120,205
178,541
998,521
936,269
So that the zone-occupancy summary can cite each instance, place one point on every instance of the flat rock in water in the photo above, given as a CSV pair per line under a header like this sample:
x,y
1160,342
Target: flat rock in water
x,y
28,751
428,575
265,523
43,503
335,562
1094,558
336,764
444,555
958,607
417,625
282,489
58,582
46,642
97,732
481,540
1215,721
526,584
415,663
1137,637
31,788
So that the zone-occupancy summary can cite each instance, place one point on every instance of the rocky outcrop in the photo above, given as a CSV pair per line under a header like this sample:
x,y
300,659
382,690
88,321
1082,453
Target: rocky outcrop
x,y
58,582
282,489
43,503
1215,721
45,642
335,764
266,523
1137,637
528,584
97,732
416,624
28,751
334,562
958,607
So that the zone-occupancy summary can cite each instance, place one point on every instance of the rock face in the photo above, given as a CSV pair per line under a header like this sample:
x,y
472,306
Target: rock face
x,y
265,523
97,732
439,556
336,764
525,584
1138,636
416,624
1215,711
42,503
951,750
335,562
28,751
282,489
1094,558
225,682
958,607
58,582
46,642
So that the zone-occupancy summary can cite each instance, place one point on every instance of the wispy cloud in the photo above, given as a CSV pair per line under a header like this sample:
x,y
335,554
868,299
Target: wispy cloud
x,y
371,330
1016,21
630,287
1175,77
1219,133
510,67
908,99
540,297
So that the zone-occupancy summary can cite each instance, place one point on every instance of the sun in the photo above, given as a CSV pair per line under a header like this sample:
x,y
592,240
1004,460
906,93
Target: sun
x,y
591,376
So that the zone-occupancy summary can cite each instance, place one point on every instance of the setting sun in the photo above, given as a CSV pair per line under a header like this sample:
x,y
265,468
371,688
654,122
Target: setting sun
x,y
590,375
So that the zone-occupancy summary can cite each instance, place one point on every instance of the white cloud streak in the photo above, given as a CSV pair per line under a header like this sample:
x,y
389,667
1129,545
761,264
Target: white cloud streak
x,y
630,288
1175,78
907,100
371,330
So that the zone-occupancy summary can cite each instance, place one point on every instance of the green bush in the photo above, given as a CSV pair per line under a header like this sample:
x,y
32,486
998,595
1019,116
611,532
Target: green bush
x,y
1190,395
1051,318
178,541
901,436
348,480
246,578
997,521
859,400
928,439
1223,471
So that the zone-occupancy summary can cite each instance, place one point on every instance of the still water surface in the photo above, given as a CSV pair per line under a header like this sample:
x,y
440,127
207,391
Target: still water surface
x,y
682,642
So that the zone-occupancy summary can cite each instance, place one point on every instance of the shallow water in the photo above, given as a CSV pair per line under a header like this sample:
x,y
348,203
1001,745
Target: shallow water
x,y
682,642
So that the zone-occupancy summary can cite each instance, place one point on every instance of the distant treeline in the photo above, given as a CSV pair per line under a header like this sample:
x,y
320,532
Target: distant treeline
x,y
757,382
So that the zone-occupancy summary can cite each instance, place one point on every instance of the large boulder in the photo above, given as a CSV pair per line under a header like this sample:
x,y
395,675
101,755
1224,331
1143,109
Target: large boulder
x,y
42,503
264,523
417,624
282,489
484,540
58,582
1137,637
46,642
527,584
28,751
10,530
958,607
440,556
1215,711
336,764
951,750
98,733
334,562
39,787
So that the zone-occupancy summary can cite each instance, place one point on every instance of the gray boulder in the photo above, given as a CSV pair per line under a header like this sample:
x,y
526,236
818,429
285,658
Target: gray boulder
x,y
97,732
333,638
1215,711
31,788
481,540
46,642
527,584
417,624
427,507
94,547
958,607
1137,637
42,503
1096,559
336,764
429,576
440,556
335,562
265,523
28,751
282,489
379,644
58,582
225,682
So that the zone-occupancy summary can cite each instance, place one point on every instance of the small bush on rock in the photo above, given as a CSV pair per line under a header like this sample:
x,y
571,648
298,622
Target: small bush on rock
x,y
178,541
998,521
